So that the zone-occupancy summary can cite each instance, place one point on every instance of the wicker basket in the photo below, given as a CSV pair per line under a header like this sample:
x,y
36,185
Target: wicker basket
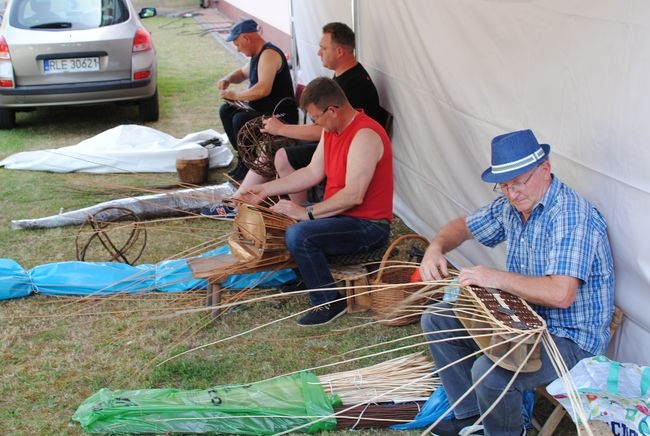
x,y
257,149
397,266
258,234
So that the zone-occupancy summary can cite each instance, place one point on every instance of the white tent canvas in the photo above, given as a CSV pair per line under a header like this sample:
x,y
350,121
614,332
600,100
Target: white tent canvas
x,y
456,73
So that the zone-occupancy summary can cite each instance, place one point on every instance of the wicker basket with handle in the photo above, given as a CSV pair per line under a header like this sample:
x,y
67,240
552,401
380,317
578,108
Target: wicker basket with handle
x,y
398,264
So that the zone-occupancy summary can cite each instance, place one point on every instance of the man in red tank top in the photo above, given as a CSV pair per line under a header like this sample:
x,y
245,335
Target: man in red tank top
x,y
354,155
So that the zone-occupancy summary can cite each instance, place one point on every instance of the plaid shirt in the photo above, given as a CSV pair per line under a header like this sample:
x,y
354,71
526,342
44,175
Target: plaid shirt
x,y
564,235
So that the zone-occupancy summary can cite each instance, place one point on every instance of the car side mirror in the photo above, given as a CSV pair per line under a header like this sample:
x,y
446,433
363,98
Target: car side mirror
x,y
147,12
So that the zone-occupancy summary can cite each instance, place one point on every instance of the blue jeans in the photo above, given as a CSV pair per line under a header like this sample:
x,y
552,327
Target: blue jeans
x,y
311,241
505,418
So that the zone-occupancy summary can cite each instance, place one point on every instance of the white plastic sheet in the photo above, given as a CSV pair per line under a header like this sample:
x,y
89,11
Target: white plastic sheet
x,y
122,149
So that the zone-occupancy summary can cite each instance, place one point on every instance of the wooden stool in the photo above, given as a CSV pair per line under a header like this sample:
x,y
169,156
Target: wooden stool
x,y
355,279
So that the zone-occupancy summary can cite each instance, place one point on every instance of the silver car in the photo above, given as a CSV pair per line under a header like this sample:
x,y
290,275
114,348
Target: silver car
x,y
75,52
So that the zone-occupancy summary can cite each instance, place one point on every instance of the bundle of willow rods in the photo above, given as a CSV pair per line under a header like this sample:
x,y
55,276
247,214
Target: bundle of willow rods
x,y
400,380
375,415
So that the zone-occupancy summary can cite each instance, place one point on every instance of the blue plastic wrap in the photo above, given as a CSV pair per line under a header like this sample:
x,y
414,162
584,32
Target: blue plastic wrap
x,y
106,278
14,280
91,278
434,407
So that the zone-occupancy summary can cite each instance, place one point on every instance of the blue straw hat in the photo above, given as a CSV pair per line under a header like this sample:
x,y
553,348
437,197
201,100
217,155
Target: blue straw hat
x,y
246,26
513,154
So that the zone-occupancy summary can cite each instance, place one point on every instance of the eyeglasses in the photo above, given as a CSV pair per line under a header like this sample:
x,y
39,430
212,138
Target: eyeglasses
x,y
515,186
317,117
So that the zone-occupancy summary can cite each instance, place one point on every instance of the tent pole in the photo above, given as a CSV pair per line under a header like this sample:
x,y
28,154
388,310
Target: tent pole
x,y
355,23
295,61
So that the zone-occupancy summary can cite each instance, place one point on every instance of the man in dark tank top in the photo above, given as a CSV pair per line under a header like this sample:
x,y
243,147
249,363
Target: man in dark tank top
x,y
270,86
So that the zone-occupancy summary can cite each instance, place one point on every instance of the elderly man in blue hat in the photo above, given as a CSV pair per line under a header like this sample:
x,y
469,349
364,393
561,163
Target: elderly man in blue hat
x,y
270,86
558,260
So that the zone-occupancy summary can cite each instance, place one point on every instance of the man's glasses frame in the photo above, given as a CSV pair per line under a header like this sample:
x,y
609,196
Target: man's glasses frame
x,y
516,186
317,117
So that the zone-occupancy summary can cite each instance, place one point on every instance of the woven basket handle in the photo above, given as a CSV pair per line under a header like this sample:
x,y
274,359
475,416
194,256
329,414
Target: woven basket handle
x,y
392,247
280,102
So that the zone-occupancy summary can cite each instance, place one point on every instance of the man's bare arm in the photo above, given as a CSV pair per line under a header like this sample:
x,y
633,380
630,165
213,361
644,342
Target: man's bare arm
x,y
270,62
434,263
552,290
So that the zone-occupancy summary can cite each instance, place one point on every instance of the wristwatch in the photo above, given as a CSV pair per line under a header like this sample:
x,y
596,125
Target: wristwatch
x,y
310,212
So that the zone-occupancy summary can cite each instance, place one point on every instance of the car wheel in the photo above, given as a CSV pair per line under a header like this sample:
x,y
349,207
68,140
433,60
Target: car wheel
x,y
7,119
149,108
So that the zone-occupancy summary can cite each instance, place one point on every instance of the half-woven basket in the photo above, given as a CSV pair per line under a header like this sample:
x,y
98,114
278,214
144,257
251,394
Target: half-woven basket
x,y
257,149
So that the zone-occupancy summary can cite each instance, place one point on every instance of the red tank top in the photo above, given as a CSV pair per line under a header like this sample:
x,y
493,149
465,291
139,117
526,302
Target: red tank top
x,y
378,201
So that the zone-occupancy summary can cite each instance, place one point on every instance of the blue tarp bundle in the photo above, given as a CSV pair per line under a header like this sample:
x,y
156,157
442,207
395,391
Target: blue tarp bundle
x,y
14,280
106,278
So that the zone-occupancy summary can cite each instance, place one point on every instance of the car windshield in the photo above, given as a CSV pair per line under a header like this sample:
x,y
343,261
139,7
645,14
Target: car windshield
x,y
67,14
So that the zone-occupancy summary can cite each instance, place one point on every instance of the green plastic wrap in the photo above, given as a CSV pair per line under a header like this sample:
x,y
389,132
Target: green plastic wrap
x,y
269,407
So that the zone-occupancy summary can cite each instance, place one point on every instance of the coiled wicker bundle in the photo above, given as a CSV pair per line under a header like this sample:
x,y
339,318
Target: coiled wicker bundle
x,y
397,266
118,230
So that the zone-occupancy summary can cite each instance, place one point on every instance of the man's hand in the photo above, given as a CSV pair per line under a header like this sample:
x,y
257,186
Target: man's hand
x,y
434,264
452,234
228,94
254,194
290,209
223,84
272,125
550,290
480,276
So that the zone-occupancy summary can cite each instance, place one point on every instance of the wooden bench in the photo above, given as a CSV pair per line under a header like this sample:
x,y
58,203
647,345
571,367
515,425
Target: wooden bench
x,y
217,269
352,276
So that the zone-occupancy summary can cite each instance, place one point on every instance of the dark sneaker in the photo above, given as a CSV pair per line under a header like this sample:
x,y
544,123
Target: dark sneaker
x,y
219,210
456,426
321,315
295,286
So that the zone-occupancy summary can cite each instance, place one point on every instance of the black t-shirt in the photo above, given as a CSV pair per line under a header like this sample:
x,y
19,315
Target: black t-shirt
x,y
360,91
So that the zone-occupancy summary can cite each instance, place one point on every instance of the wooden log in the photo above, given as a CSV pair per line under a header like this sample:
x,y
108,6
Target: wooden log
x,y
192,165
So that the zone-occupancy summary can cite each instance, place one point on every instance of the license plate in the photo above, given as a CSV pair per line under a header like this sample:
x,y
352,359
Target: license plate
x,y
71,65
